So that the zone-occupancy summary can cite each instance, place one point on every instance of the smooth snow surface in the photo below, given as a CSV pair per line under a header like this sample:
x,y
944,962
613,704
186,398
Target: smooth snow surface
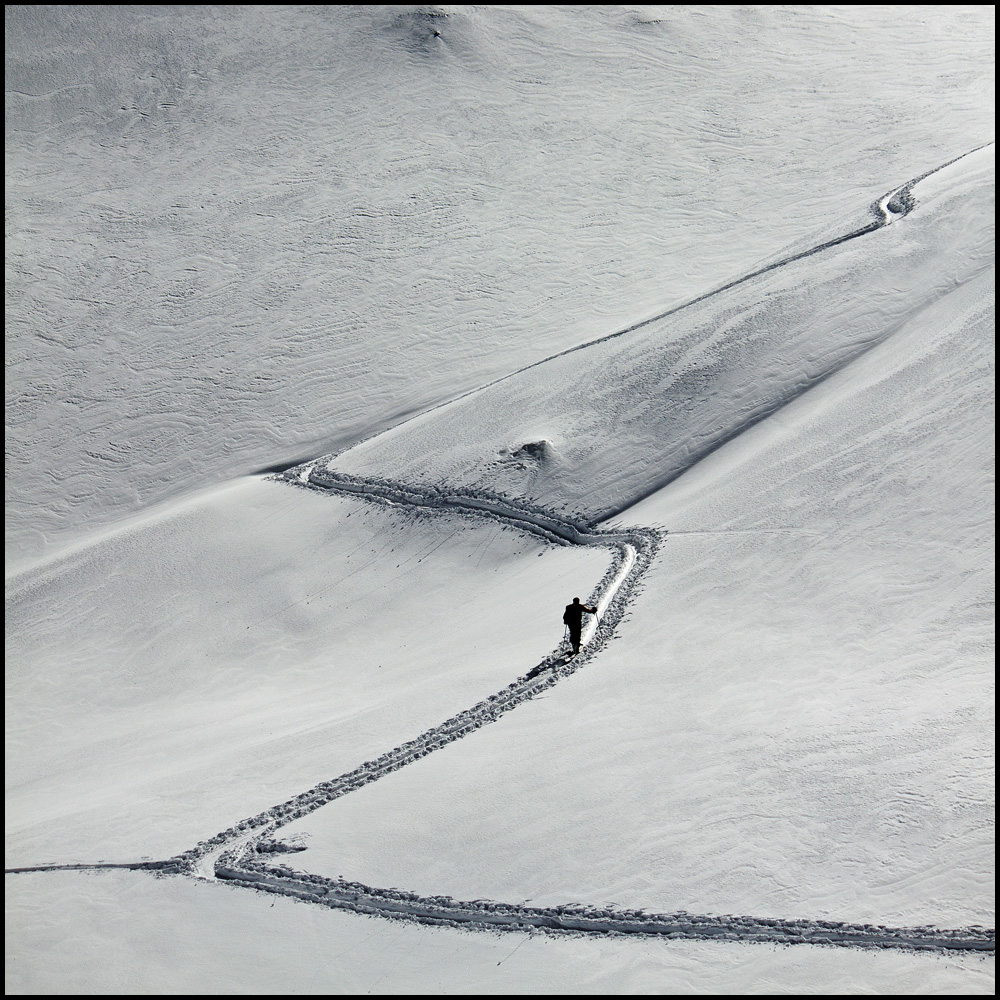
x,y
261,634
710,286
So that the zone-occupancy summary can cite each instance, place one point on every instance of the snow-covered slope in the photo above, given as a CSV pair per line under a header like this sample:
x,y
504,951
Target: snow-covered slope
x,y
241,237
596,428
258,634
797,718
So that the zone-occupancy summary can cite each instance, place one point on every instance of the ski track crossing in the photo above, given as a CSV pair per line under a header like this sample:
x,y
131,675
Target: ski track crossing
x,y
239,855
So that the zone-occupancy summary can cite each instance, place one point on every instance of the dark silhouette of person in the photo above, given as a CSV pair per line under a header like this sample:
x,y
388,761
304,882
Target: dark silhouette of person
x,y
573,617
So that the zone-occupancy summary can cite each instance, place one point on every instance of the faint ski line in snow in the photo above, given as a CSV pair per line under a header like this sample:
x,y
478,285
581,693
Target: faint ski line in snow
x,y
52,93
747,531
511,955
149,866
882,216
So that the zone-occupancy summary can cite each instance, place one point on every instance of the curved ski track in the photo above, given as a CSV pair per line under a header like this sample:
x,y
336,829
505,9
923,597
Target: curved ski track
x,y
237,855
632,549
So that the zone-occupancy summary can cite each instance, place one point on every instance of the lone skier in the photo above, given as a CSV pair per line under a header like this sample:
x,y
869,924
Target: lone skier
x,y
573,618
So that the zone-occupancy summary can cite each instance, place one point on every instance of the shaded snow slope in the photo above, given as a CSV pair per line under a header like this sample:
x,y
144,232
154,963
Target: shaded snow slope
x,y
595,429
214,660
796,719
239,236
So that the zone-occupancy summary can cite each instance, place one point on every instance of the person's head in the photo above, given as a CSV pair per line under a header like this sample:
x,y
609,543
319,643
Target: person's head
x,y
576,600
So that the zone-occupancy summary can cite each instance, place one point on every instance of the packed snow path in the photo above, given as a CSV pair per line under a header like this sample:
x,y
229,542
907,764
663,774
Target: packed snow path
x,y
239,855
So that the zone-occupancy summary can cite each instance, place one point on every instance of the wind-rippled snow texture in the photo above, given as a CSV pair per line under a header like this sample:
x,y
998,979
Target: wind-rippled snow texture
x,y
594,430
241,236
391,238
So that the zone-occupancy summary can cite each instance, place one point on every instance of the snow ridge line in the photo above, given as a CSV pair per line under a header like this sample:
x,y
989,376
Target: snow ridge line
x,y
633,550
241,868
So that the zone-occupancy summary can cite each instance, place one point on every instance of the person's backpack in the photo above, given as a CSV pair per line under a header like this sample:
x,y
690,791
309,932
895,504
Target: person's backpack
x,y
567,617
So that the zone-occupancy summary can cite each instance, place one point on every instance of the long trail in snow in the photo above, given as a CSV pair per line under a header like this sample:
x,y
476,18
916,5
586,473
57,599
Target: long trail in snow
x,y
240,855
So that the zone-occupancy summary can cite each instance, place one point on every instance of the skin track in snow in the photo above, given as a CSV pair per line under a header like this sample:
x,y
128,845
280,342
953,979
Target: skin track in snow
x,y
235,855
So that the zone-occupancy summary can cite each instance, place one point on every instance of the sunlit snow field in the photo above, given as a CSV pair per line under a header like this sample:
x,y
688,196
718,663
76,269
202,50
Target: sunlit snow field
x,y
244,237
